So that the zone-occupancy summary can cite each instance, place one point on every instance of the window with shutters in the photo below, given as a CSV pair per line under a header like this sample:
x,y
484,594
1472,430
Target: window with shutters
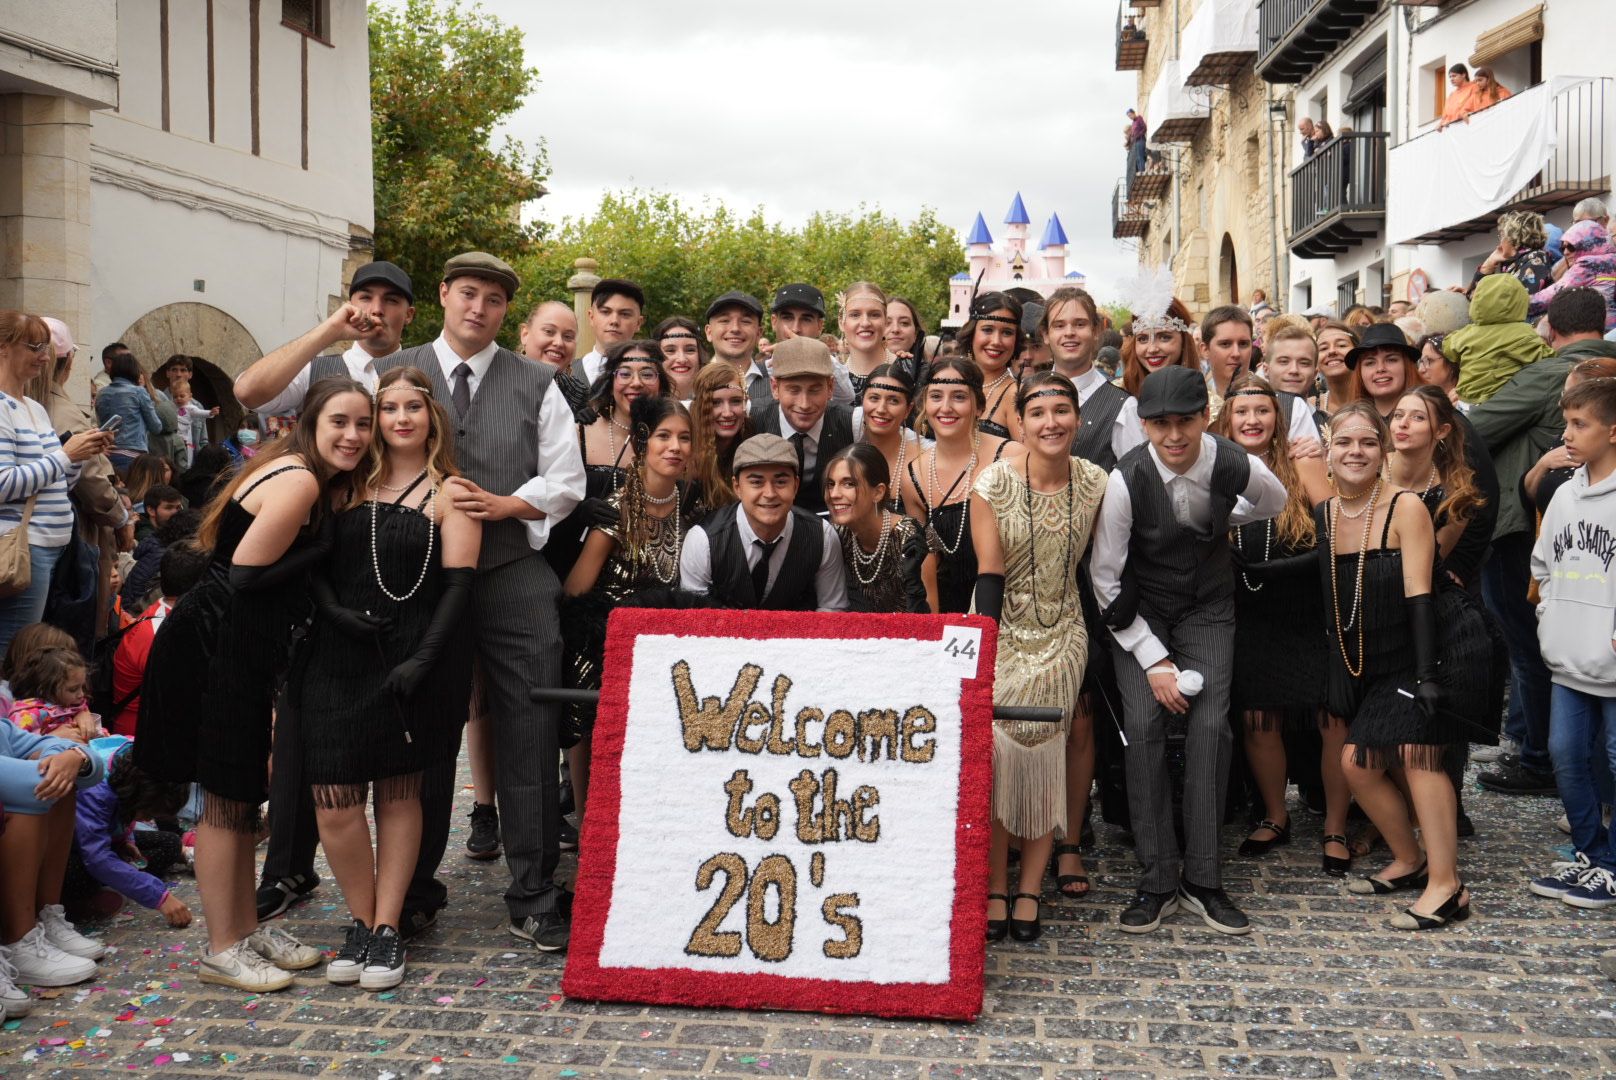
x,y
311,17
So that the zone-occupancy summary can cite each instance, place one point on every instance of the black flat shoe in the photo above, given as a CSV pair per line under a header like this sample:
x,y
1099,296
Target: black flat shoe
x,y
1376,886
1333,865
1282,835
998,928
1451,911
1026,929
1063,882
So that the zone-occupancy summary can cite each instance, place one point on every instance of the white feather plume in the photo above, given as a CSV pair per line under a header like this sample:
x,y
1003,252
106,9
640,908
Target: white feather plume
x,y
1148,293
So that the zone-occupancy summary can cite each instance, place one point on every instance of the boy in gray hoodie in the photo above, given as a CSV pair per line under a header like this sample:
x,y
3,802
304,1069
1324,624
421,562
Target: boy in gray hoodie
x,y
1573,565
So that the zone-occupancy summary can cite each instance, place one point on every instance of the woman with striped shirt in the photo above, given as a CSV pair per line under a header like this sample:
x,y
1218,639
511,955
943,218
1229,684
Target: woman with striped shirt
x,y
34,464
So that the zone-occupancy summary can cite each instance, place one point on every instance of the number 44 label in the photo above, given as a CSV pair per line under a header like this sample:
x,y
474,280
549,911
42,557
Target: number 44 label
x,y
961,647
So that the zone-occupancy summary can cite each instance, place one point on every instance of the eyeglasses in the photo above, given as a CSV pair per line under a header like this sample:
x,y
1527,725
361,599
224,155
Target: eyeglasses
x,y
626,374
35,347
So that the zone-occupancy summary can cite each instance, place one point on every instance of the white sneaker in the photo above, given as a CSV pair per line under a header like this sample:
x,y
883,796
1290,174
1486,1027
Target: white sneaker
x,y
63,935
239,966
14,1003
282,949
1487,755
40,963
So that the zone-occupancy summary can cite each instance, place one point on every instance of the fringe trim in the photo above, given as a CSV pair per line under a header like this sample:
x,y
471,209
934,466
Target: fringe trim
x,y
230,815
1264,719
1029,784
348,796
1426,757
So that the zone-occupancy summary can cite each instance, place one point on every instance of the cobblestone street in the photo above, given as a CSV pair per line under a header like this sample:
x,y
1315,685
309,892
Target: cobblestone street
x,y
1322,988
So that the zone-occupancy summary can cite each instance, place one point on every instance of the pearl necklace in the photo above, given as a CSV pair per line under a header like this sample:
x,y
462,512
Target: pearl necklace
x,y
1357,598
897,474
664,500
672,573
1268,547
426,565
612,428
873,561
934,539
403,487
1340,498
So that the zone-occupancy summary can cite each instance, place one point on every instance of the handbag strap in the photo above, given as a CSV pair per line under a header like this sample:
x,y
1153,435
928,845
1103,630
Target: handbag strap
x,y
27,512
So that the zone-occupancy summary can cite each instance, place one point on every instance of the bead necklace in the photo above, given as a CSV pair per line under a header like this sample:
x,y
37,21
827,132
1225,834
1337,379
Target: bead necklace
x,y
1032,547
664,500
403,487
897,474
1267,550
934,539
1342,498
1357,598
431,536
666,570
1430,481
612,428
860,560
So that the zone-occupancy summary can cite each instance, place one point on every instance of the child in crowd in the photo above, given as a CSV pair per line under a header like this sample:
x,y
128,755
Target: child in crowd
x,y
1497,343
107,851
49,686
1577,633
193,419
27,641
139,584
182,567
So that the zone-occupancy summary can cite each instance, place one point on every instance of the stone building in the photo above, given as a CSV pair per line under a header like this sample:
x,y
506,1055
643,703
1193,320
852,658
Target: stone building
x,y
1205,201
184,175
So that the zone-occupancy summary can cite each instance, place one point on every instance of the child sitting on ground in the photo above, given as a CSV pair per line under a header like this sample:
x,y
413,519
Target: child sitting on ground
x,y
109,854
48,687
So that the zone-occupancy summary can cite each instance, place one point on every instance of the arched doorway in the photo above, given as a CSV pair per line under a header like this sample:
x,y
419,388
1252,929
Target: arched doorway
x,y
1228,271
219,345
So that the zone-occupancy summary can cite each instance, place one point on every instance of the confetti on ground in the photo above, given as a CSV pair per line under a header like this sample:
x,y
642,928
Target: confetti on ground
x,y
446,1000
510,1059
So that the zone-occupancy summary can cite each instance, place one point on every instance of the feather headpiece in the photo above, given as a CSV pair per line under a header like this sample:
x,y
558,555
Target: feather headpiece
x,y
1148,295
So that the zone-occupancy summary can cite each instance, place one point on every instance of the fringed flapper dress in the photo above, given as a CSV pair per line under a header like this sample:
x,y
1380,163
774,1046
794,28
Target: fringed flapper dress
x,y
1043,640
1279,630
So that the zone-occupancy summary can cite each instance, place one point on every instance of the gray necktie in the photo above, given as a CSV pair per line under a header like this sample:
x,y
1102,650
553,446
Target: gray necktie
x,y
460,393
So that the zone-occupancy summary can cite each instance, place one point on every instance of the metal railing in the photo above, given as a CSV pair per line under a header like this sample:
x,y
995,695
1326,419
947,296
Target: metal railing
x,y
1295,36
1129,217
1347,175
1275,18
1132,44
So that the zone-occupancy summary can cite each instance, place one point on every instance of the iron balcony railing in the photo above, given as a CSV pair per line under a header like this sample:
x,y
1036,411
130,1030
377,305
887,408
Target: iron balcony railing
x,y
1295,36
1132,45
1129,217
1339,194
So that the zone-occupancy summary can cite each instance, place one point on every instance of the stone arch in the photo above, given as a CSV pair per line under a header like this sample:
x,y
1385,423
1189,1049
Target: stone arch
x,y
221,345
1228,271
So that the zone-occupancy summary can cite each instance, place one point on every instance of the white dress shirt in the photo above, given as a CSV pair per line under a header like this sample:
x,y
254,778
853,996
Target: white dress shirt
x,y
360,364
1191,496
1121,439
560,484
810,445
830,582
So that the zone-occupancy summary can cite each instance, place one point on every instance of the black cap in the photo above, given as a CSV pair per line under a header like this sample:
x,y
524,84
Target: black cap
x,y
799,295
385,273
735,298
1172,391
607,287
1382,336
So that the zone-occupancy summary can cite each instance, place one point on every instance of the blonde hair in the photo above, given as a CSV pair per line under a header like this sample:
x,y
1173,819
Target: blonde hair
x,y
440,463
862,288
1523,229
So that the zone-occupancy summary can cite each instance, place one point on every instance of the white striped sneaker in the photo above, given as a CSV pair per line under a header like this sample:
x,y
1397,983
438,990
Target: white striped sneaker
x,y
63,935
239,966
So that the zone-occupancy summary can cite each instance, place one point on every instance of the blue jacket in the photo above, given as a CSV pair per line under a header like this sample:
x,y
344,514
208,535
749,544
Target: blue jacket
x,y
20,776
123,398
96,830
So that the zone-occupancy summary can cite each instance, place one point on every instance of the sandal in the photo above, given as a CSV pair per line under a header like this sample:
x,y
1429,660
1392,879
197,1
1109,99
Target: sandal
x,y
1063,882
1253,846
1451,911
1334,865
1379,886
998,928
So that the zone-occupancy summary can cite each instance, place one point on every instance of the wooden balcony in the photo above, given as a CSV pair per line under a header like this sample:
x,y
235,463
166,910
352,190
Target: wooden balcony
x,y
1130,219
1132,45
1295,36
1338,196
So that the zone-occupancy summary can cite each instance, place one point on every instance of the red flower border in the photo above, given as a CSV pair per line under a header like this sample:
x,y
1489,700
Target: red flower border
x,y
960,998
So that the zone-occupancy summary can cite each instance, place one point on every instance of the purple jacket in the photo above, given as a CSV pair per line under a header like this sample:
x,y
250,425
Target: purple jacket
x,y
93,835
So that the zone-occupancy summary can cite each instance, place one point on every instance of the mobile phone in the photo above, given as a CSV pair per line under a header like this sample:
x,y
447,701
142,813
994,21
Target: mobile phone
x,y
112,424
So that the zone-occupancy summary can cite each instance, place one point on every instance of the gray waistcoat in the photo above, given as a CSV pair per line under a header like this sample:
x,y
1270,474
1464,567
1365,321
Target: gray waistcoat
x,y
497,442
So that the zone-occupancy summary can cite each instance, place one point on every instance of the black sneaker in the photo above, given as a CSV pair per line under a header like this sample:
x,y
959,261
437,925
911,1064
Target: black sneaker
x,y
1147,911
1519,780
344,968
569,836
483,843
415,921
384,962
274,897
1214,907
548,931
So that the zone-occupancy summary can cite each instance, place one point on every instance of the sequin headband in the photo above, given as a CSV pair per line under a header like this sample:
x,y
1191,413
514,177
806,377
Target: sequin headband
x,y
1251,391
1006,319
1161,322
402,385
1051,391
682,335
944,380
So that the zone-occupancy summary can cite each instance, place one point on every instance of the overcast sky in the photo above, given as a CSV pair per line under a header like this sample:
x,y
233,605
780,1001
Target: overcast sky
x,y
896,104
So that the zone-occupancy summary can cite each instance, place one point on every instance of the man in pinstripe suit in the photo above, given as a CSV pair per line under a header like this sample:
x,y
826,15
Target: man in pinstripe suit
x,y
1163,577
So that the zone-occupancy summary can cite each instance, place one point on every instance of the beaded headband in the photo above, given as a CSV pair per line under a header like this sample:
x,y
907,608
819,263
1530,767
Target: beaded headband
x,y
681,335
1161,322
1006,319
402,385
893,387
1251,391
945,380
1051,391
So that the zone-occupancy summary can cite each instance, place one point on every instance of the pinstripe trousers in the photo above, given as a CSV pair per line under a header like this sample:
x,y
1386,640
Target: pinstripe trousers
x,y
518,647
1202,640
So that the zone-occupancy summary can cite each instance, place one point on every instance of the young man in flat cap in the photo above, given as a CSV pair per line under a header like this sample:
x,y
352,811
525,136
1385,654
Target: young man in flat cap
x,y
1165,585
801,411
763,553
522,472
616,313
381,303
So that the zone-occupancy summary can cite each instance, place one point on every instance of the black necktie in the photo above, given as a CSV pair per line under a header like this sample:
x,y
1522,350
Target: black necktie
x,y
760,572
460,393
799,439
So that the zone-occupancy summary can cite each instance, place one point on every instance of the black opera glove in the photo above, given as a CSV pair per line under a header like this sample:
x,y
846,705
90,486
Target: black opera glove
x,y
1422,633
990,595
360,625
405,679
288,568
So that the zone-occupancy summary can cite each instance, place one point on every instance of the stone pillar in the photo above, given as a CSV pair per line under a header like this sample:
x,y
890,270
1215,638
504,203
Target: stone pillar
x,y
580,283
45,209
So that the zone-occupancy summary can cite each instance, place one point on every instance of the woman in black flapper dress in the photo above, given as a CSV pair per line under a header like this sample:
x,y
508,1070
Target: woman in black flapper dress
x,y
1386,675
267,528
383,687
938,483
993,338
882,551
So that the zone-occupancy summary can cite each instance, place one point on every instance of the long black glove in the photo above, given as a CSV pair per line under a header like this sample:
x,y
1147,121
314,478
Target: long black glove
x,y
911,557
1422,633
576,393
990,595
1285,566
289,567
361,625
406,678
598,514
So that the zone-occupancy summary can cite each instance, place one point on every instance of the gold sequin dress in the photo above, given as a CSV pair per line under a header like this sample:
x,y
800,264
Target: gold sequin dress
x,y
1038,664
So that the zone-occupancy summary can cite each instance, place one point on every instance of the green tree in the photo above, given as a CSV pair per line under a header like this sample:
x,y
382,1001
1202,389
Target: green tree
x,y
683,257
443,74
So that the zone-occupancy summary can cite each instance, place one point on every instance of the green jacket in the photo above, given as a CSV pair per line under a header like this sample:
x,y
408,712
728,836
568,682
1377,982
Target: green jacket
x,y
1497,343
1522,421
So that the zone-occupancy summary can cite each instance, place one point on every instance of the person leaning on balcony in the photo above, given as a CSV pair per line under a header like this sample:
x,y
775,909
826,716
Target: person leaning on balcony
x,y
1521,252
1592,264
1309,134
1458,104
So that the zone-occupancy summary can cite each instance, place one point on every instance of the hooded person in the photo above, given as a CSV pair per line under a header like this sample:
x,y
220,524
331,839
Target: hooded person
x,y
1590,264
1497,343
